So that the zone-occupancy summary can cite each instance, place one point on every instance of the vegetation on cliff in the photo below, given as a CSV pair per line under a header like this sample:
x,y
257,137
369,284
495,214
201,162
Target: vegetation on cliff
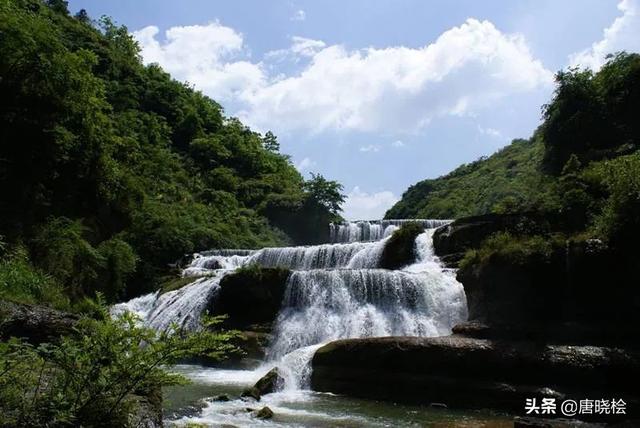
x,y
110,170
561,168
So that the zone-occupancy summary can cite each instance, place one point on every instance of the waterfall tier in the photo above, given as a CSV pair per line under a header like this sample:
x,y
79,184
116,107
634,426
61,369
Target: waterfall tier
x,y
363,231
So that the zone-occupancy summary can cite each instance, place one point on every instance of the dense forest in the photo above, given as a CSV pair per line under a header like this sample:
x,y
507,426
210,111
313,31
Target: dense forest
x,y
582,162
110,170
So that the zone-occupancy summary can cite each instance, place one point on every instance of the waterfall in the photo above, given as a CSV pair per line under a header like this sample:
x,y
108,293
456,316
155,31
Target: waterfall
x,y
321,305
363,231
182,307
336,290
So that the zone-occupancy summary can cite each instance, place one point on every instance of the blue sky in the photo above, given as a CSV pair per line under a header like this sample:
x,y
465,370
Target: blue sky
x,y
378,94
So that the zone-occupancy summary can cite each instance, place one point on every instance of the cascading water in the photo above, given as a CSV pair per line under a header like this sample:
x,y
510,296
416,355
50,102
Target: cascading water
x,y
335,291
362,231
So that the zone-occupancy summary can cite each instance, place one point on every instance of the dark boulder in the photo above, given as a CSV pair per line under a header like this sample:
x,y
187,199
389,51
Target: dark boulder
x,y
473,373
251,296
270,382
265,385
36,324
264,413
399,250
251,393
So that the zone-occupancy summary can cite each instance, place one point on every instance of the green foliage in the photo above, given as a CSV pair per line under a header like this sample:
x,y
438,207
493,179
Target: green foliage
x,y
21,282
507,181
512,248
325,192
399,250
65,254
619,219
111,170
591,115
88,379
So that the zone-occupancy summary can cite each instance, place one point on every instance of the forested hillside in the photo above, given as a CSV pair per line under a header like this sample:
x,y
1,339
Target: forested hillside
x,y
583,153
111,170
507,178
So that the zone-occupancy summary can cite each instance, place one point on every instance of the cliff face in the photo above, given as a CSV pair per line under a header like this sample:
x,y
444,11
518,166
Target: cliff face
x,y
583,281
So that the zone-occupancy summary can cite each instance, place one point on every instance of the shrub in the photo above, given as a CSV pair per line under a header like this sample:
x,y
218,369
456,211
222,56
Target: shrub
x,y
513,249
88,379
21,282
619,219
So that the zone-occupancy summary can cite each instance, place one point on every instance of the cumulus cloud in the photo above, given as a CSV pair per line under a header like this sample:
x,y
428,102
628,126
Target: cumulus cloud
x,y
370,148
299,15
394,89
622,34
361,205
397,144
398,88
301,48
305,164
207,56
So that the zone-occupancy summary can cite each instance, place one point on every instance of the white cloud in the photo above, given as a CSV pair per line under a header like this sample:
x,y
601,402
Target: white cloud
x,y
299,15
394,89
622,34
361,205
397,144
491,132
399,89
370,148
205,56
301,47
305,164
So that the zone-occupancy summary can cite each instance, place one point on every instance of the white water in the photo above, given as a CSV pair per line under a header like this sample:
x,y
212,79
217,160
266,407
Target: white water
x,y
335,291
362,230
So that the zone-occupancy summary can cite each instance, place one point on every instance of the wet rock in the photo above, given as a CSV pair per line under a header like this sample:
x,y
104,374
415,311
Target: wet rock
x,y
399,250
270,382
252,392
221,397
264,413
251,296
472,373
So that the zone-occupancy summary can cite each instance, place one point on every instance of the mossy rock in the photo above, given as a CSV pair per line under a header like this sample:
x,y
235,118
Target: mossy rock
x,y
399,250
176,283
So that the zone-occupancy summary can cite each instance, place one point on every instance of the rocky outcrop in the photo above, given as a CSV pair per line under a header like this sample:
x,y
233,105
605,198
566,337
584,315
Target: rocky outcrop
x,y
579,280
399,250
251,297
36,324
451,241
473,373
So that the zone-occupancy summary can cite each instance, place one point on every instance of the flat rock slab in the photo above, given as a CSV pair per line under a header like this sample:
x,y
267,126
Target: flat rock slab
x,y
473,373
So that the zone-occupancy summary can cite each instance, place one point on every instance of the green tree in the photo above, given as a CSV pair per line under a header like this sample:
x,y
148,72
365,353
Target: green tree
x,y
325,192
270,142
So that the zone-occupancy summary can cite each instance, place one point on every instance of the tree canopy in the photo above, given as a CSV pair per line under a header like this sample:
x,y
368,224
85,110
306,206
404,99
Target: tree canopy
x,y
110,170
